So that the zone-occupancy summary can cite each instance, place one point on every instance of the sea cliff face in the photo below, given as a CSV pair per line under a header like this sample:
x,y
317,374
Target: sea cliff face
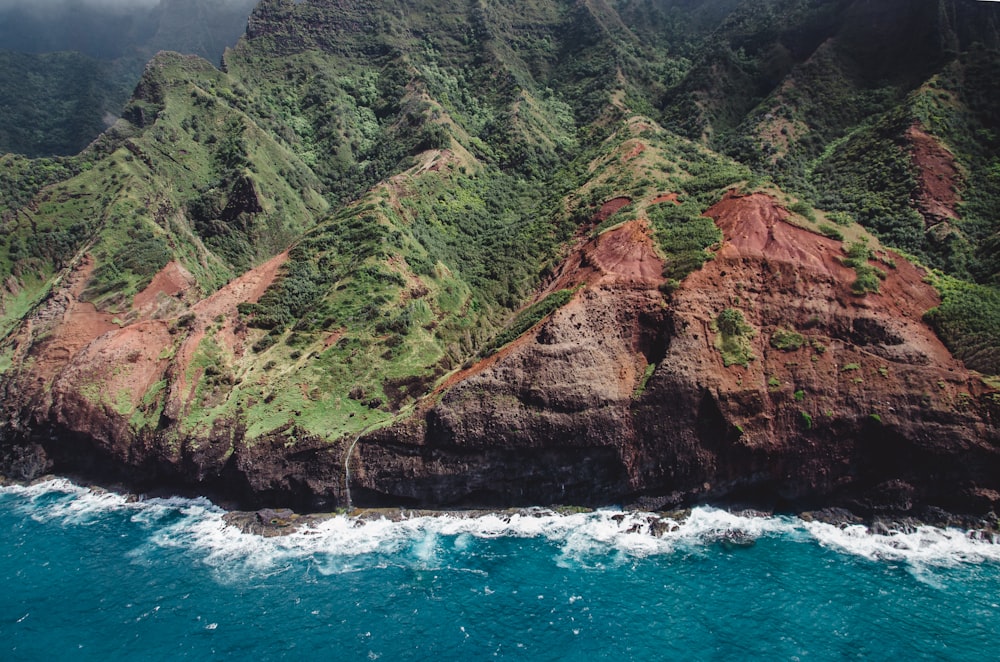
x,y
845,415
621,395
454,260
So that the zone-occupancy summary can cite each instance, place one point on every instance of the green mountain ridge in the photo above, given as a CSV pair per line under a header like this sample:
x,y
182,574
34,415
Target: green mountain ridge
x,y
424,172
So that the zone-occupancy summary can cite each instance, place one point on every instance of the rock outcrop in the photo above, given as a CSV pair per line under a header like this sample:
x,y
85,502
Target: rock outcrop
x,y
620,395
868,409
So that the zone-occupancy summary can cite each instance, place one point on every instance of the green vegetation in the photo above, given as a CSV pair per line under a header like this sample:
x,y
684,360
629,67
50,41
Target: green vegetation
x,y
698,177
647,374
787,340
685,236
804,209
530,317
733,337
831,231
968,320
845,141
806,420
868,277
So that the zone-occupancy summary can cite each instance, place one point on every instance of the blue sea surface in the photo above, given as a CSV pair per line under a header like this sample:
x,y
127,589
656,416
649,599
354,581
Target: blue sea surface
x,y
90,576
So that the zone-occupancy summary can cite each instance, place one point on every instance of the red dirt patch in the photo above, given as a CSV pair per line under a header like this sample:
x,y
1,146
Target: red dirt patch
x,y
248,288
754,226
171,280
637,149
757,236
125,363
665,197
331,339
80,325
610,208
939,176
627,254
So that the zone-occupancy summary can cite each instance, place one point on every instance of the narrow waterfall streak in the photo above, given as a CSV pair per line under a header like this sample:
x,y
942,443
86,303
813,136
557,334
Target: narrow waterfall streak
x,y
347,469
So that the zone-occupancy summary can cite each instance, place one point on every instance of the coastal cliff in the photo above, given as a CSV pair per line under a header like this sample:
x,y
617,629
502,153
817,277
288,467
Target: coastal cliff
x,y
497,259
621,395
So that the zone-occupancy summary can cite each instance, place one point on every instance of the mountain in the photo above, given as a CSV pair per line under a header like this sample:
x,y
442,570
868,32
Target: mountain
x,y
479,254
67,68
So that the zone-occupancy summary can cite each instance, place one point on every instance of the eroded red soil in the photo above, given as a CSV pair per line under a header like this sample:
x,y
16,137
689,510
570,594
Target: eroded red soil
x,y
665,197
248,288
610,208
88,351
171,280
635,150
622,258
79,324
782,275
940,177
626,254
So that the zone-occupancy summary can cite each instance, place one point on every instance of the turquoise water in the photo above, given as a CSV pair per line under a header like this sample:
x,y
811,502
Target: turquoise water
x,y
88,576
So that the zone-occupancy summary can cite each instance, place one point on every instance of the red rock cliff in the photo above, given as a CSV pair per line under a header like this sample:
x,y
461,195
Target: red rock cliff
x,y
866,408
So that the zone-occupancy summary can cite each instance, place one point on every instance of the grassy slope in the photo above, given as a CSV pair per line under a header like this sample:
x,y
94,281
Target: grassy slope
x,y
138,200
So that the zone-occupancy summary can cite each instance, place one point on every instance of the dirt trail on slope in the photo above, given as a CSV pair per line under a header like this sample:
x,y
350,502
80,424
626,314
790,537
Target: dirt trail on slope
x,y
665,197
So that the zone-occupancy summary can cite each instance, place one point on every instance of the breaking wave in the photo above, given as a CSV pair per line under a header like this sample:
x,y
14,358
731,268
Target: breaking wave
x,y
340,544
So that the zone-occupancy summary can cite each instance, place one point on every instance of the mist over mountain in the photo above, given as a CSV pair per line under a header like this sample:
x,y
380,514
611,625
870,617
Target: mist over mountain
x,y
103,46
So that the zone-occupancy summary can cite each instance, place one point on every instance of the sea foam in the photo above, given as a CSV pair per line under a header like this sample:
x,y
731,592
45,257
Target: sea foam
x,y
592,539
922,545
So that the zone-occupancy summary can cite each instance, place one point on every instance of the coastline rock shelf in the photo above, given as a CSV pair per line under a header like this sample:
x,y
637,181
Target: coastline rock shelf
x,y
473,255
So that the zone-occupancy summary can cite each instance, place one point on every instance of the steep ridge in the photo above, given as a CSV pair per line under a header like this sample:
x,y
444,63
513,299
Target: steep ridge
x,y
444,254
844,417
837,416
548,419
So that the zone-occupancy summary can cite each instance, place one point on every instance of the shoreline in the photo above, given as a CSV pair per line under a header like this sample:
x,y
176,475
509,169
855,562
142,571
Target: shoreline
x,y
274,522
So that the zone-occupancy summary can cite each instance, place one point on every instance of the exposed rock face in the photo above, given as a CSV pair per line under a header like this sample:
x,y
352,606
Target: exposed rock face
x,y
620,395
848,417
857,421
939,177
547,422
82,375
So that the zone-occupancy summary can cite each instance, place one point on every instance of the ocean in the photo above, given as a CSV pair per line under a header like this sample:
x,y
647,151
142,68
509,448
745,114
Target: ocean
x,y
96,576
